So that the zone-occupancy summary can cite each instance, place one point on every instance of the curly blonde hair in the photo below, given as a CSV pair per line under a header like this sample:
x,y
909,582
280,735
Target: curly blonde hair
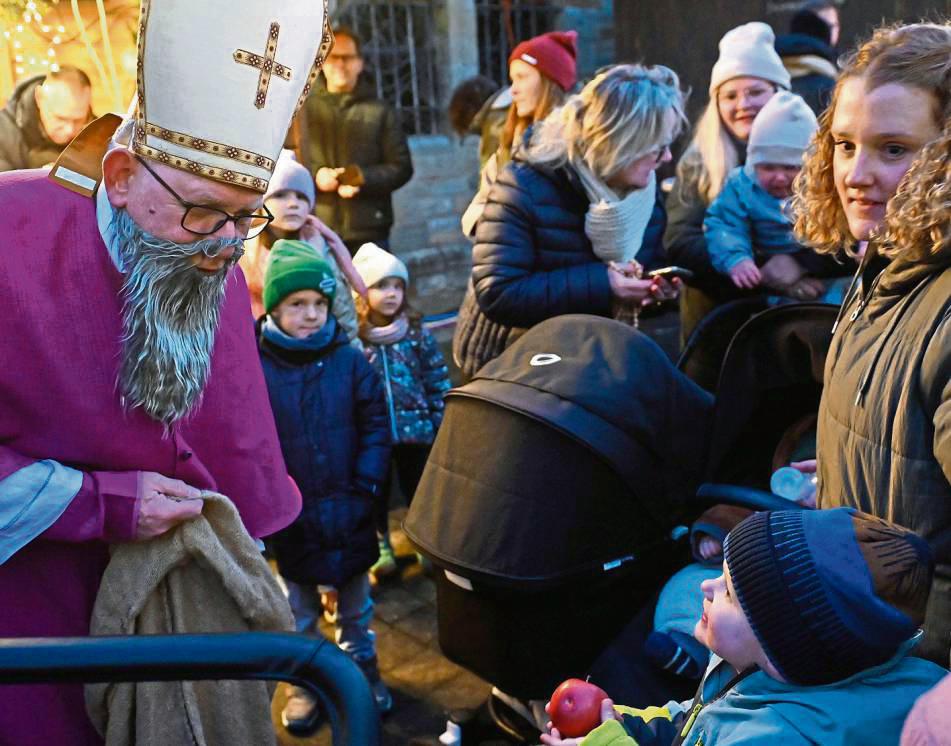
x,y
620,116
916,218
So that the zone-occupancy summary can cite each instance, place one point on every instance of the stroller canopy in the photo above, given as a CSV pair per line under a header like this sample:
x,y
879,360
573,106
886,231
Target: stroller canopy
x,y
576,448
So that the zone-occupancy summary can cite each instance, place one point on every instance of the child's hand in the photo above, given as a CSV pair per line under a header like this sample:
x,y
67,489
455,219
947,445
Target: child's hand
x,y
553,737
709,548
781,271
808,288
326,179
746,274
348,191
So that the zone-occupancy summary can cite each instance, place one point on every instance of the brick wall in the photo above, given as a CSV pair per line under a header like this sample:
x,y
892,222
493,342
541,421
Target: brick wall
x,y
426,234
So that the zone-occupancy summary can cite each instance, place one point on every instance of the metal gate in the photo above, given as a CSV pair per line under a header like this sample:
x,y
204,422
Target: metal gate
x,y
399,48
504,23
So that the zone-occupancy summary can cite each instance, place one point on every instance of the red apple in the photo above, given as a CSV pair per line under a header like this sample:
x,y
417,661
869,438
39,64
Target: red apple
x,y
576,708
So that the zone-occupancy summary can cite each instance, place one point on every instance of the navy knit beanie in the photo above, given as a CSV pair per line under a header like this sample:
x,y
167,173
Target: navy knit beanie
x,y
828,593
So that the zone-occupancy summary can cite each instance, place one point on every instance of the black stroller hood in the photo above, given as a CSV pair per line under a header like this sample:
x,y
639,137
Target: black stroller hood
x,y
590,444
771,376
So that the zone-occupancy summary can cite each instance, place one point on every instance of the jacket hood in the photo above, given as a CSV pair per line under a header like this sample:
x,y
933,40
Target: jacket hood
x,y
23,110
795,45
902,275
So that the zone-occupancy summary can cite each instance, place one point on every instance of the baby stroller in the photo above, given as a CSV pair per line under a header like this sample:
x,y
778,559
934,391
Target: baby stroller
x,y
562,470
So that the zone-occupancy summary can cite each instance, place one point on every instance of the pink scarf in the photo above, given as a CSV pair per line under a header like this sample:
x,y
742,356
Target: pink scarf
x,y
385,335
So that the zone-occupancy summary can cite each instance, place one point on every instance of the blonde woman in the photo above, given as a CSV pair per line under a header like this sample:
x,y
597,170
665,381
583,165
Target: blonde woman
x,y
580,197
746,75
880,172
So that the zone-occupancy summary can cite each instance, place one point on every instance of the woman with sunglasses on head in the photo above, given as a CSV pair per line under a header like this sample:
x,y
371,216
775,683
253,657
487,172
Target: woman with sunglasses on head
x,y
574,222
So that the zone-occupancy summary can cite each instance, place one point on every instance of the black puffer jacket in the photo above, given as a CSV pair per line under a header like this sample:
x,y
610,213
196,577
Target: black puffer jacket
x,y
532,260
358,129
23,143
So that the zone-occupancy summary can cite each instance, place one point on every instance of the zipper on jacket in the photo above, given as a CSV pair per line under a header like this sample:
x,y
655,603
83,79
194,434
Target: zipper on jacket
x,y
388,390
699,704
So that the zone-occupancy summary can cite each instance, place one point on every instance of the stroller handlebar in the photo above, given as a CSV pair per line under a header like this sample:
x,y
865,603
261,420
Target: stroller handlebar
x,y
306,661
710,494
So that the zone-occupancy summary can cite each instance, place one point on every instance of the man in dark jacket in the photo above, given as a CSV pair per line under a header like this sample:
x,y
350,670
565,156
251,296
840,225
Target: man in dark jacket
x,y
42,117
807,53
357,149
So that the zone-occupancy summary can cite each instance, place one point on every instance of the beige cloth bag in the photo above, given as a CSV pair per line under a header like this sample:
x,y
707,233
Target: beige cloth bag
x,y
207,575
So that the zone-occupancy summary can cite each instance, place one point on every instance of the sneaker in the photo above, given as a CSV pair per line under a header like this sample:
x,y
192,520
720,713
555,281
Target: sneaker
x,y
386,565
382,696
301,713
664,651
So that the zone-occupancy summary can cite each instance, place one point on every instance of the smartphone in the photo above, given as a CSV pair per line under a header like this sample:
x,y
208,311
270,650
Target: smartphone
x,y
669,273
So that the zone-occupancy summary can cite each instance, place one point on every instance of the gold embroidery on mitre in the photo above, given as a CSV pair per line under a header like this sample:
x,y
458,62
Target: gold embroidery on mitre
x,y
326,44
267,64
226,175
209,146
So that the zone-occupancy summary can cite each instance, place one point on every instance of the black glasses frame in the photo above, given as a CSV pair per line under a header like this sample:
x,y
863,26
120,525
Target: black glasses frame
x,y
226,216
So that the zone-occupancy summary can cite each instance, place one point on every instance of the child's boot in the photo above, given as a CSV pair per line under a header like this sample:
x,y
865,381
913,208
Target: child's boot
x,y
301,713
370,668
386,565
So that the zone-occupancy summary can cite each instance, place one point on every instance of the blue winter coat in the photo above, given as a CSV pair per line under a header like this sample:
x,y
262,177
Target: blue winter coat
x,y
415,379
331,421
532,260
747,222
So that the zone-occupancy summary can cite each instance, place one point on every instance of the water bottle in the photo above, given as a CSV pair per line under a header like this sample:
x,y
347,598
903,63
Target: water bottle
x,y
792,484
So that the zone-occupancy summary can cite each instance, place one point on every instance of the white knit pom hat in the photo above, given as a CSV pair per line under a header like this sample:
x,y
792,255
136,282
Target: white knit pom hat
x,y
748,51
781,131
374,264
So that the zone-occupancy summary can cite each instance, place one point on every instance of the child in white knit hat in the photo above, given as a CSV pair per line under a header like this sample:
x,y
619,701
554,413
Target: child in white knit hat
x,y
748,222
414,374
290,199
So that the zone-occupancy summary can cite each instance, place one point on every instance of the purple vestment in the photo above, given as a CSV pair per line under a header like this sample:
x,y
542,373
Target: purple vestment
x,y
60,329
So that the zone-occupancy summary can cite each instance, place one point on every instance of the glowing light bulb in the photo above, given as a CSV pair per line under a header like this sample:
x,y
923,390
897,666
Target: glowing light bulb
x,y
17,44
19,58
54,67
46,29
20,28
50,52
61,29
57,39
19,71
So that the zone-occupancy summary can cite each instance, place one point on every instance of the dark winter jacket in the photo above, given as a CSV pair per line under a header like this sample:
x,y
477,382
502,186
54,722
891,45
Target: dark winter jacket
x,y
358,129
532,260
811,65
415,378
884,430
23,141
331,420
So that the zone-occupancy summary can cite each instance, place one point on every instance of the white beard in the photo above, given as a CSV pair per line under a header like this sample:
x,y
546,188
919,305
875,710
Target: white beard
x,y
170,317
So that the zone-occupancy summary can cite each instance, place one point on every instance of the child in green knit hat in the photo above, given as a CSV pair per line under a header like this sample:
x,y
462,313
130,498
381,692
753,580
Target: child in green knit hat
x,y
332,423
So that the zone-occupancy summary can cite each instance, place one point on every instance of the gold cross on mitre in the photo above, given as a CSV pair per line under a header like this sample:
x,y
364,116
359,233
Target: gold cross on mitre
x,y
266,64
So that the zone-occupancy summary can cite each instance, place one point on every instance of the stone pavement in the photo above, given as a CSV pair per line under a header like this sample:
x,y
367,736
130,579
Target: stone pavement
x,y
424,684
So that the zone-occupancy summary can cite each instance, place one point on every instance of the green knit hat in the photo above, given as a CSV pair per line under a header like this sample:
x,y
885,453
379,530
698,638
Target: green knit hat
x,y
293,266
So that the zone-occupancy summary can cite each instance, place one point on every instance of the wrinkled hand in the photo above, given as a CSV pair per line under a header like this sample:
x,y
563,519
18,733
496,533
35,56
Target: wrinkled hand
x,y
326,179
164,503
709,548
781,271
662,289
746,274
553,737
806,467
347,191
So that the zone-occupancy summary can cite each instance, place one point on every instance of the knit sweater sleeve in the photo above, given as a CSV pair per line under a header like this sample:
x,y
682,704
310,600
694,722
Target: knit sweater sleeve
x,y
727,227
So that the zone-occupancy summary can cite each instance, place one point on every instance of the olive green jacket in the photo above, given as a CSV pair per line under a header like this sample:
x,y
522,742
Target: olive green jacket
x,y
884,431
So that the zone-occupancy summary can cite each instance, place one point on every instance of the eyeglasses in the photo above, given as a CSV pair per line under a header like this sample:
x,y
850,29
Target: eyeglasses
x,y
753,94
658,153
203,220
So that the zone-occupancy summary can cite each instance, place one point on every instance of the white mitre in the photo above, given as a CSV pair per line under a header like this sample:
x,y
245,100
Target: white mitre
x,y
219,82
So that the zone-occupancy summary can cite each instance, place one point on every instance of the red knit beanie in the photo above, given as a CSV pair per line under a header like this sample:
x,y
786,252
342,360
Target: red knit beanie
x,y
554,55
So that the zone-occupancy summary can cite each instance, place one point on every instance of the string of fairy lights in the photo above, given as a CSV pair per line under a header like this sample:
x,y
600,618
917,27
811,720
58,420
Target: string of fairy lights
x,y
31,23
